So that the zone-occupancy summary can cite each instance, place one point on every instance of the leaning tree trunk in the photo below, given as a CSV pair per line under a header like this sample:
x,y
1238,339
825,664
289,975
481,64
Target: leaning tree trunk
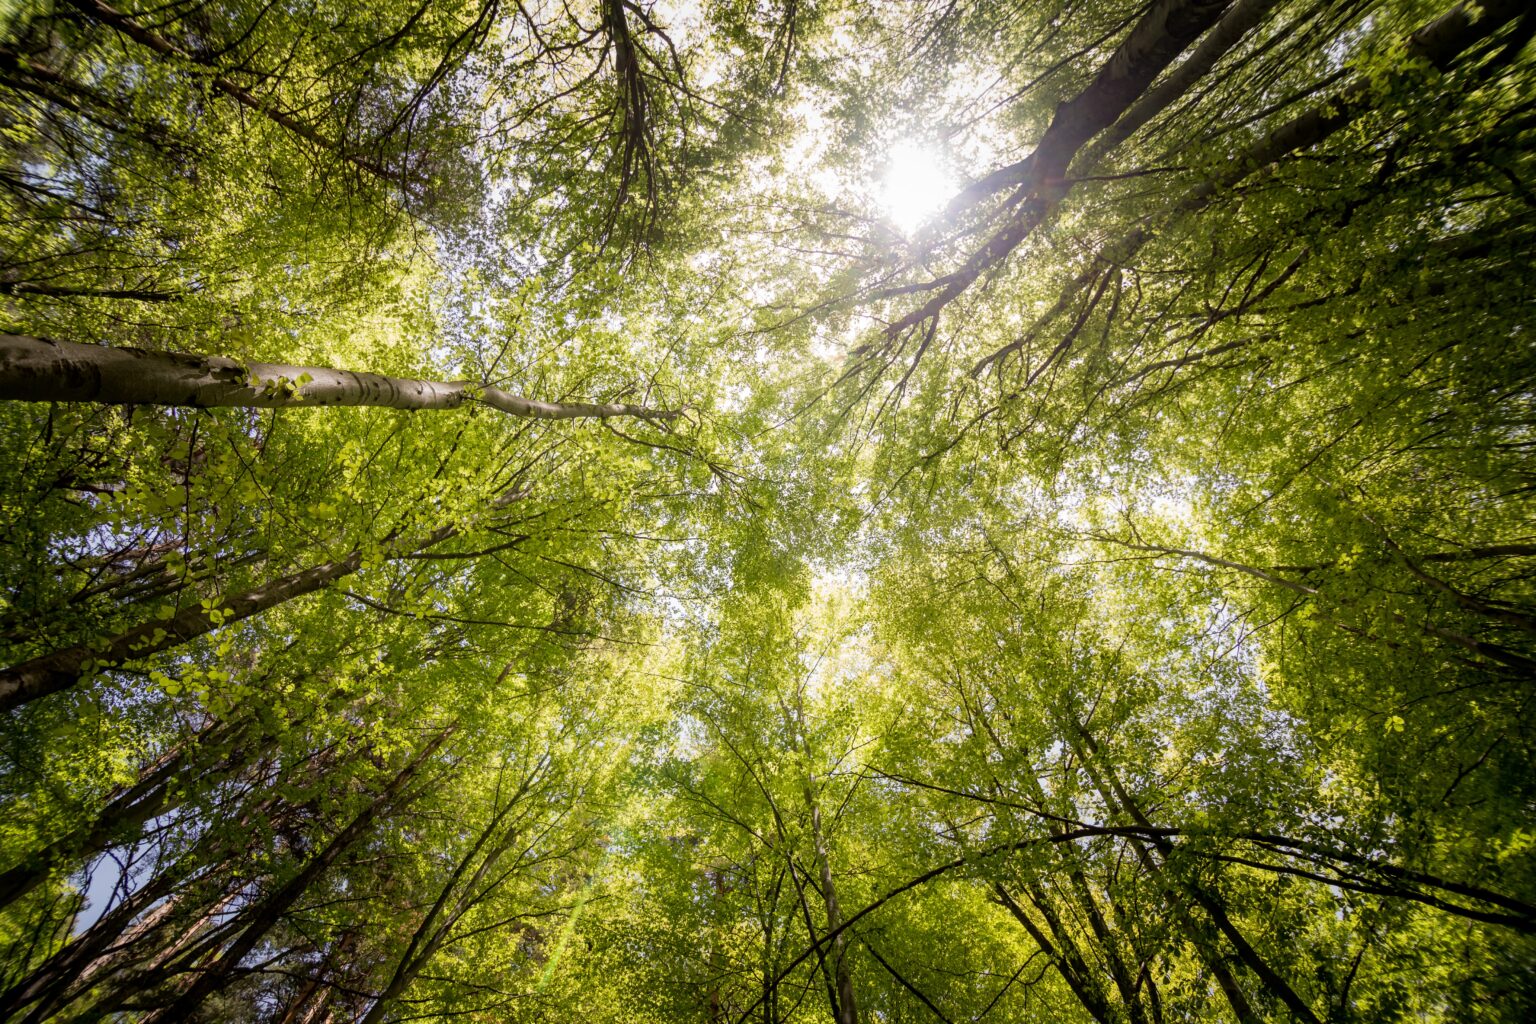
x,y
1116,797
39,370
1167,28
138,929
441,918
1233,27
62,669
160,788
1087,904
1440,42
1064,955
1164,31
265,915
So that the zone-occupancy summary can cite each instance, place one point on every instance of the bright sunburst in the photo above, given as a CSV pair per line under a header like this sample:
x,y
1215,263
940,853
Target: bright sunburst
x,y
915,186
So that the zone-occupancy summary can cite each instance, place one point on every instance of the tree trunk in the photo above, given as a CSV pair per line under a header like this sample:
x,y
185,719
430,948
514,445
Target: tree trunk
x,y
151,796
264,915
135,931
846,1008
1160,36
1116,795
1067,961
1440,42
50,980
439,921
1227,33
61,669
1070,957
38,370
1494,652
310,1001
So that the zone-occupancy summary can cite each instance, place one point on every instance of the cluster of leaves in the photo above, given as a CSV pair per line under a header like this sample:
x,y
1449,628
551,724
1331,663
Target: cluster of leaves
x,y
1112,601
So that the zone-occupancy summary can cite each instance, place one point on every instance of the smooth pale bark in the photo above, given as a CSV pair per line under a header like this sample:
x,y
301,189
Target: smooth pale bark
x,y
39,370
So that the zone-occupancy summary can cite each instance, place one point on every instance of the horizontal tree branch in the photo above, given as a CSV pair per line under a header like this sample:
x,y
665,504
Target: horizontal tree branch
x,y
40,370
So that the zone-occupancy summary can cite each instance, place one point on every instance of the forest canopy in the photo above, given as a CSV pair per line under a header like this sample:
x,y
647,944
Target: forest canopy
x,y
756,513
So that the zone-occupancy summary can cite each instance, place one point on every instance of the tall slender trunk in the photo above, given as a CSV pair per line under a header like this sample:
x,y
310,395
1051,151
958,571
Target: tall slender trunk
x,y
1161,35
310,1001
1101,932
1115,795
61,669
810,931
441,918
40,370
1068,962
270,910
111,933
159,788
1494,652
124,946
1439,42
1103,935
128,982
110,112
846,1008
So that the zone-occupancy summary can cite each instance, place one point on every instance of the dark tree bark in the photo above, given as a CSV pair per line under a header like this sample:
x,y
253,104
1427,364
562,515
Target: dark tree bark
x,y
159,788
264,915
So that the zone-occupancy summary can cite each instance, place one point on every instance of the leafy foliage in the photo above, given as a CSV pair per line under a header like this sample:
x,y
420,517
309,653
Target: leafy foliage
x,y
1110,599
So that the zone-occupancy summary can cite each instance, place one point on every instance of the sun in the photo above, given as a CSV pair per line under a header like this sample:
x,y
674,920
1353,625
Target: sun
x,y
914,187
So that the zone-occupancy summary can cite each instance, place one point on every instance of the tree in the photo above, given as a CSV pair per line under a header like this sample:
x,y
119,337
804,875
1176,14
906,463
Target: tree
x,y
862,512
